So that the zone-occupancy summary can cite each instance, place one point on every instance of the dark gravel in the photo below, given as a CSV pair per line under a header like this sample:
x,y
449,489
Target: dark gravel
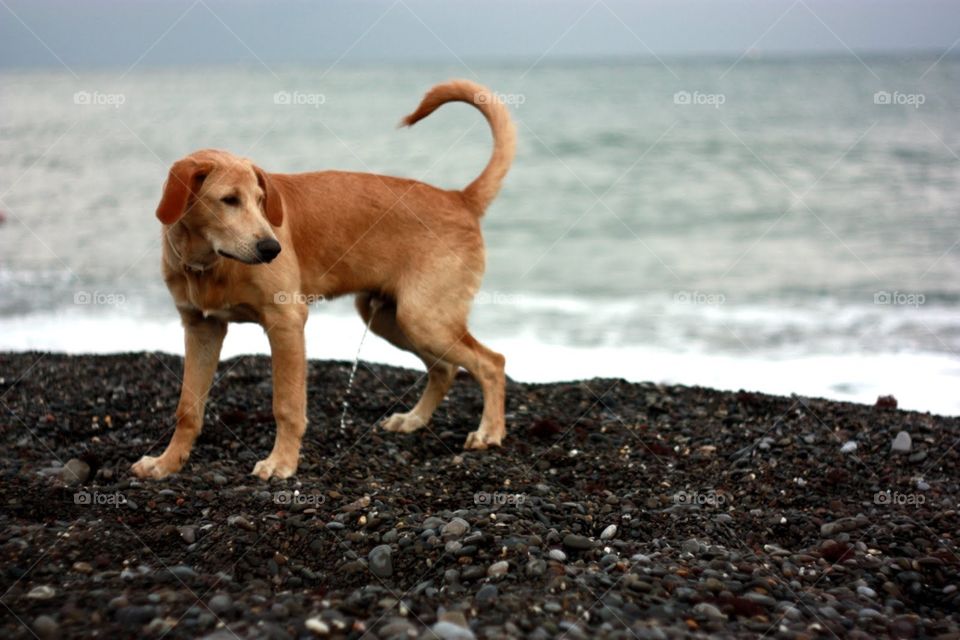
x,y
614,510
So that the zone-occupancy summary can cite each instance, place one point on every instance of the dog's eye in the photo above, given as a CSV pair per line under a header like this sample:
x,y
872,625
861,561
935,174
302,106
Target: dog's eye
x,y
231,201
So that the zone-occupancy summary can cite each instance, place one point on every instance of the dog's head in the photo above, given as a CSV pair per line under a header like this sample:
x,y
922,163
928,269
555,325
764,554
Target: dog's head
x,y
227,201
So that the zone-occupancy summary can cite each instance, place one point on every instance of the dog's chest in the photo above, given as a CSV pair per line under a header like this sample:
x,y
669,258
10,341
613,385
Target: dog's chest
x,y
209,297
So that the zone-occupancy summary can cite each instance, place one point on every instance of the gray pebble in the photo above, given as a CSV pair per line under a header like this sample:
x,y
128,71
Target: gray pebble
x,y
536,567
902,443
75,472
380,561
574,541
455,528
220,603
498,569
449,631
46,627
487,594
690,546
866,592
709,611
42,592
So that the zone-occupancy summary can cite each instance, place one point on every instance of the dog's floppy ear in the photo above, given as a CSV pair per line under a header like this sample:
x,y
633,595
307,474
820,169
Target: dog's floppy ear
x,y
272,203
185,177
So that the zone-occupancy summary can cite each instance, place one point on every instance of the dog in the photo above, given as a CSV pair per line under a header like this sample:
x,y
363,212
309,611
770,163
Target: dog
x,y
244,245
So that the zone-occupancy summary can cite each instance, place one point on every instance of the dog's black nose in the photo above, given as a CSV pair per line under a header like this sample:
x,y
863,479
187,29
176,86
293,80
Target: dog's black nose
x,y
268,249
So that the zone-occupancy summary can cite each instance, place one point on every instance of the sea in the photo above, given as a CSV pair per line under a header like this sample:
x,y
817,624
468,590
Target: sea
x,y
784,224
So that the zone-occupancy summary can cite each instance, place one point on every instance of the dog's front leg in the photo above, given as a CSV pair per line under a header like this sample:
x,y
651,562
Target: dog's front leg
x,y
285,331
203,338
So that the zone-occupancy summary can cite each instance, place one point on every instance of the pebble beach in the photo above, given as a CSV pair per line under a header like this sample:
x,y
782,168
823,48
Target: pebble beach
x,y
613,510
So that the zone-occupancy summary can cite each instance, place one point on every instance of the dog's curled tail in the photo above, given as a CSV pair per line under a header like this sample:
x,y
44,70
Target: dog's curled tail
x,y
481,192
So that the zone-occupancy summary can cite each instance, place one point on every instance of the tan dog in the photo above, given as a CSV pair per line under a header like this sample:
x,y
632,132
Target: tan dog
x,y
413,253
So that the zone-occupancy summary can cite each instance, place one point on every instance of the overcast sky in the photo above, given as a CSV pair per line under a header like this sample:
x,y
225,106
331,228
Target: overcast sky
x,y
96,33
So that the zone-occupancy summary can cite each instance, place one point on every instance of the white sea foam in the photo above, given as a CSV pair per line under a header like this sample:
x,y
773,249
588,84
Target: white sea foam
x,y
923,381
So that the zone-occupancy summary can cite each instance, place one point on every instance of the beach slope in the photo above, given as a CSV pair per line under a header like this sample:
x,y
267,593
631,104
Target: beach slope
x,y
613,510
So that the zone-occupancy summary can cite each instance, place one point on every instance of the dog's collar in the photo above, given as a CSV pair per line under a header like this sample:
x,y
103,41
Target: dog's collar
x,y
196,269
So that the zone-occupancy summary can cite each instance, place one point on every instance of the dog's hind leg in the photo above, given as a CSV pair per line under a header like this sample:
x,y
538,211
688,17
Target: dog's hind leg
x,y
443,336
440,374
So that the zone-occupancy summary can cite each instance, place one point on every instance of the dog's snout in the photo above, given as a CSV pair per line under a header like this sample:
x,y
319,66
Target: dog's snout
x,y
268,249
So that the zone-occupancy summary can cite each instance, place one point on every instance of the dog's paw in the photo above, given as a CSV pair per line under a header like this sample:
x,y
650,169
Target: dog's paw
x,y
274,467
151,467
404,423
480,439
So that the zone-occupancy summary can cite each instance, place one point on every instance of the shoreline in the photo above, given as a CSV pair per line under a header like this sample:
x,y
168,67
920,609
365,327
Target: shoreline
x,y
612,509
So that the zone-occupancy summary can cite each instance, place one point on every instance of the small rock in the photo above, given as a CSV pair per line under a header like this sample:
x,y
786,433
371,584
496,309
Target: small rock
x,y
455,528
241,523
454,617
609,532
357,505
848,447
760,598
578,542
135,616
536,567
709,611
83,567
46,627
451,576
43,592
380,561
316,626
886,402
75,472
449,631
557,554
902,443
220,603
188,533
843,524
498,569
158,627
866,592
487,594
690,546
